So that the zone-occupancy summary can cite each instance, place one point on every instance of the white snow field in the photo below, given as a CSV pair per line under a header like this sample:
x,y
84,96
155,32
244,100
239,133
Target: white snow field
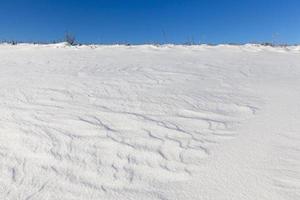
x,y
149,122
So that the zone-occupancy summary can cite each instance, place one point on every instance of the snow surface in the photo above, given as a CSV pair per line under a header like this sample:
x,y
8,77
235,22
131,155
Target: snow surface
x,y
149,122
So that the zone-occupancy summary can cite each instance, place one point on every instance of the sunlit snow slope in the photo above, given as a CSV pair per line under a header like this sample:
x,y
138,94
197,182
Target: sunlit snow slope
x,y
147,122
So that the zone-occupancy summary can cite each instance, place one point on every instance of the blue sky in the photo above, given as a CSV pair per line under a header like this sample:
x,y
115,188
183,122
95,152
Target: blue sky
x,y
147,21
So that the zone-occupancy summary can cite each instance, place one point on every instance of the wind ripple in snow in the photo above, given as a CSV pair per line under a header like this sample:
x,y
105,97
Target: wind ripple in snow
x,y
87,127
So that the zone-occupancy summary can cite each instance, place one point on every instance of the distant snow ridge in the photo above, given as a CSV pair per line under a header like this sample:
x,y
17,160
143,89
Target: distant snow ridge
x,y
146,122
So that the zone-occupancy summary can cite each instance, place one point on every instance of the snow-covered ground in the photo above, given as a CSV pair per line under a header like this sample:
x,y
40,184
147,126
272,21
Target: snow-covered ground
x,y
146,122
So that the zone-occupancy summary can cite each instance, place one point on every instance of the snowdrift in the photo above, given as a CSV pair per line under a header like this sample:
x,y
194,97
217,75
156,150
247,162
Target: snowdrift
x,y
149,122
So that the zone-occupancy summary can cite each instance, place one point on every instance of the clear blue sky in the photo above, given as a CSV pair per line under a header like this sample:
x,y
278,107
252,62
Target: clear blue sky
x,y
145,21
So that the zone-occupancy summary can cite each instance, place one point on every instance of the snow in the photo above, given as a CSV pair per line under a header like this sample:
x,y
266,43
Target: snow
x,y
149,122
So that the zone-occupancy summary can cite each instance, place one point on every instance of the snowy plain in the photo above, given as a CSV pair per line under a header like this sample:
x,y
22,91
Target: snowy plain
x,y
149,122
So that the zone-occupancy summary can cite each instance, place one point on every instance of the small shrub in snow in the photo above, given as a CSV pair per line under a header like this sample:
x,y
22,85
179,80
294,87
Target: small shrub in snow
x,y
70,39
